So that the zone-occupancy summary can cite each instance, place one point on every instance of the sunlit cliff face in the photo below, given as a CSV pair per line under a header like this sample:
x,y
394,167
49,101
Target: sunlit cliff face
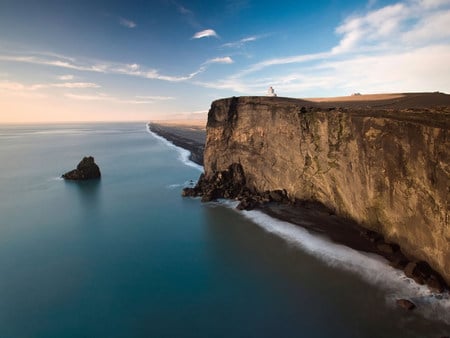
x,y
386,171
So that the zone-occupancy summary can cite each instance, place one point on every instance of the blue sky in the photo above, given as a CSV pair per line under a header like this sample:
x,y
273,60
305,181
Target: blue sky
x,y
165,59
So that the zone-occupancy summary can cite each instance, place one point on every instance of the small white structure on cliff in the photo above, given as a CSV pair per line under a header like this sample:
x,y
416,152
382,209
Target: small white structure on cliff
x,y
271,92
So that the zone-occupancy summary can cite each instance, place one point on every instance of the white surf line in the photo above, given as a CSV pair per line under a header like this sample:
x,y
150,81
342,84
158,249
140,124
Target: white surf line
x,y
371,268
183,153
186,184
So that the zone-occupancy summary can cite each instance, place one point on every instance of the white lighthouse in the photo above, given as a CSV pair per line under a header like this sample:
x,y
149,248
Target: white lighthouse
x,y
271,92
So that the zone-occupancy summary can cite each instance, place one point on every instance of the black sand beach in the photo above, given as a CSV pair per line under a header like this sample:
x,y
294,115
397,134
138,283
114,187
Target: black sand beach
x,y
190,137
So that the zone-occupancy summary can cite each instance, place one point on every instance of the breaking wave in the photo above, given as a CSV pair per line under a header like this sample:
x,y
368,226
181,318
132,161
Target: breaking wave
x,y
372,268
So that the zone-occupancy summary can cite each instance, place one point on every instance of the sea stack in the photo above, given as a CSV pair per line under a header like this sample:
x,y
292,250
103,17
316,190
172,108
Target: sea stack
x,y
87,169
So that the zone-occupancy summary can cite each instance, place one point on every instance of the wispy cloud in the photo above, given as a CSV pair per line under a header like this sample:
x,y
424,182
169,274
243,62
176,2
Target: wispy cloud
x,y
67,77
242,42
17,86
107,67
127,23
109,98
187,14
225,59
205,34
74,85
398,47
155,98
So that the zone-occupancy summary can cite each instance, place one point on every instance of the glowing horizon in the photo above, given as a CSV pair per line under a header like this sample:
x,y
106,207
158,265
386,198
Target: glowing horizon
x,y
88,62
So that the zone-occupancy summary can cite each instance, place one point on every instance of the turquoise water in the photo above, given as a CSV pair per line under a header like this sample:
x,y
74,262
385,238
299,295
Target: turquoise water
x,y
128,257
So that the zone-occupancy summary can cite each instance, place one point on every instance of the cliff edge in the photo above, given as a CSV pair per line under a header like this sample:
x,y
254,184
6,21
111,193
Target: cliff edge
x,y
385,166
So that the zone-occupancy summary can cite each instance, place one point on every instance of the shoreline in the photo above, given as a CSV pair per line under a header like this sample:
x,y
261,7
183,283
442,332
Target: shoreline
x,y
315,217
191,138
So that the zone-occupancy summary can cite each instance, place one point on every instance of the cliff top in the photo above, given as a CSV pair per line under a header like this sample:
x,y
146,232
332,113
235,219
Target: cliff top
x,y
431,109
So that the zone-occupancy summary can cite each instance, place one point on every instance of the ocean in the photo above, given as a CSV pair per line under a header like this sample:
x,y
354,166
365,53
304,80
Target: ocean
x,y
127,256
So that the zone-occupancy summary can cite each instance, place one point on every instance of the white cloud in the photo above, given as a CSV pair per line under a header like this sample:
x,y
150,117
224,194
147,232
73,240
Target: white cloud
x,y
96,97
105,97
429,29
127,23
17,86
74,85
104,67
133,67
205,33
399,47
155,98
241,42
376,25
225,59
430,4
67,77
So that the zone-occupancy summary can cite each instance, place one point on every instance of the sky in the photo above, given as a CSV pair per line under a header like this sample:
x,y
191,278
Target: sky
x,y
112,60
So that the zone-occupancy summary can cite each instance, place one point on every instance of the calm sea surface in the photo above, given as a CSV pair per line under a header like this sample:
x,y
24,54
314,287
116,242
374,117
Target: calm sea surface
x,y
128,257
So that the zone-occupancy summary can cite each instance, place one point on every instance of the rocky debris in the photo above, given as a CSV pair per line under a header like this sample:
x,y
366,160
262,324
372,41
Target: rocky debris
x,y
87,169
406,304
231,184
388,248
422,273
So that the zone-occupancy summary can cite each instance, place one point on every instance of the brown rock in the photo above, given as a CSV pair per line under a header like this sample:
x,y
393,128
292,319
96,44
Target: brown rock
x,y
406,304
387,248
87,169
409,269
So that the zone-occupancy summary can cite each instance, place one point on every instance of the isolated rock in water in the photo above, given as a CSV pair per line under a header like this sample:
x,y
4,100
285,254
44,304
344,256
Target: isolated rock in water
x,y
405,304
87,169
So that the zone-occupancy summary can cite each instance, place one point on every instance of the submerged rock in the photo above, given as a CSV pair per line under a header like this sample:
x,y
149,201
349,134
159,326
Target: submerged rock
x,y
87,169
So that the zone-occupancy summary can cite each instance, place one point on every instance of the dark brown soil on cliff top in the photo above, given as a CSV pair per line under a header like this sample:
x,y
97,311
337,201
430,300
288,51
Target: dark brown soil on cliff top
x,y
386,101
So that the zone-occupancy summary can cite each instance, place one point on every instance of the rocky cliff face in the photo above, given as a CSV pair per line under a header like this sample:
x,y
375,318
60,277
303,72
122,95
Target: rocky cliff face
x,y
389,170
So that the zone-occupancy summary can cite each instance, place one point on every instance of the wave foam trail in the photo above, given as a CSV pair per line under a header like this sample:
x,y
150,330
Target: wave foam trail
x,y
372,268
186,184
183,153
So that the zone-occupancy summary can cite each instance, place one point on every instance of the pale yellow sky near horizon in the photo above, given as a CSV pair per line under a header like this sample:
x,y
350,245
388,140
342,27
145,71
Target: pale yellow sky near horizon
x,y
55,69
53,110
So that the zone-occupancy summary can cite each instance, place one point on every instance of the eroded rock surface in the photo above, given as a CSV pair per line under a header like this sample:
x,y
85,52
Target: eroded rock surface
x,y
388,170
87,169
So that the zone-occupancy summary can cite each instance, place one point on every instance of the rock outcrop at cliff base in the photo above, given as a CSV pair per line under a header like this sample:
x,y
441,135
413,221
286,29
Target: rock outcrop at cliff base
x,y
386,169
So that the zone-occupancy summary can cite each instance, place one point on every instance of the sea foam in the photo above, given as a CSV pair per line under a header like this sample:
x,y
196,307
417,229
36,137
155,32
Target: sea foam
x,y
183,154
370,267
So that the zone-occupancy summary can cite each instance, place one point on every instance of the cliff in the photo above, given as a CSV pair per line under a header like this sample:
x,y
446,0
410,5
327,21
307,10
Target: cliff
x,y
386,167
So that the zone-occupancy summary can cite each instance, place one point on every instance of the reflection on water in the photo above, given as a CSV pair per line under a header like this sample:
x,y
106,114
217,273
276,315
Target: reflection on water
x,y
88,193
